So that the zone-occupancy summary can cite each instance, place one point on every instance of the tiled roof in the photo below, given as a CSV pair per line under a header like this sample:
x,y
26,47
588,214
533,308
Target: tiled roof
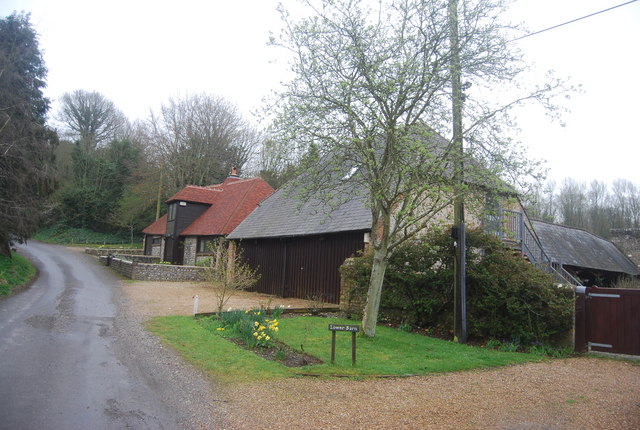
x,y
230,203
577,247
234,200
283,214
158,227
196,194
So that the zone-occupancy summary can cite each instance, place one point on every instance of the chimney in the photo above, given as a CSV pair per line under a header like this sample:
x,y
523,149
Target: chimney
x,y
234,172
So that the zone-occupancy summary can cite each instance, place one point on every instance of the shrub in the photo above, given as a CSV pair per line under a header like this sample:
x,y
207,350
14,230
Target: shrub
x,y
204,262
507,297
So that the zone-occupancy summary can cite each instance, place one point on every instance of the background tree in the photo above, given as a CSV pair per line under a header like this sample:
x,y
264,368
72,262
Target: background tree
x,y
26,144
99,180
91,119
540,201
572,202
598,207
199,138
372,90
275,163
597,197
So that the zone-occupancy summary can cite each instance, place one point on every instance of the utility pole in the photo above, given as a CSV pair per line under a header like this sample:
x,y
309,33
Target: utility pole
x,y
460,287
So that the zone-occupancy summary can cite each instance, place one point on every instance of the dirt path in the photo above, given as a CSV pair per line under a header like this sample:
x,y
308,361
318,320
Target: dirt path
x,y
577,393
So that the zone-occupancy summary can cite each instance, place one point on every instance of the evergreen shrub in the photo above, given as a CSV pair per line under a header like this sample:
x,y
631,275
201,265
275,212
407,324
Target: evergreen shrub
x,y
507,297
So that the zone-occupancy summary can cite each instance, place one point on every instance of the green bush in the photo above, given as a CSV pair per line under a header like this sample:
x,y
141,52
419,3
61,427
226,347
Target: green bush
x,y
204,262
63,234
507,297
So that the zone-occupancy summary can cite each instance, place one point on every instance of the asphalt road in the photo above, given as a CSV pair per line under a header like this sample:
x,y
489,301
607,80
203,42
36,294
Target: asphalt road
x,y
63,362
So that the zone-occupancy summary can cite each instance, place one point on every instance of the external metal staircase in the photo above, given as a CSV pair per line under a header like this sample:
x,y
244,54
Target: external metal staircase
x,y
511,228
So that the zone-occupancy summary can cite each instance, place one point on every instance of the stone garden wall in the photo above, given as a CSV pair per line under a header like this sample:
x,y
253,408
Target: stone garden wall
x,y
144,271
628,240
106,251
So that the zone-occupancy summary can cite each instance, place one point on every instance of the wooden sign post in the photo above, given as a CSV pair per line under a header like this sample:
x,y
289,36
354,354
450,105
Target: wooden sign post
x,y
344,327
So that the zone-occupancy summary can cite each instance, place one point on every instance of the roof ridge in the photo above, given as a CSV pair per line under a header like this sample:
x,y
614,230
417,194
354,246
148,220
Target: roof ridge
x,y
243,180
573,228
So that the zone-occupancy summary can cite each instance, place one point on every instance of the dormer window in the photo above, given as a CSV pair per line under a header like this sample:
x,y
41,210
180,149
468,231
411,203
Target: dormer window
x,y
350,174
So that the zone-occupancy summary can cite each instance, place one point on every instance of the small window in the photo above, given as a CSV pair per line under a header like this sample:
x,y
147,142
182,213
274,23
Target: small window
x,y
206,245
172,211
351,172
156,240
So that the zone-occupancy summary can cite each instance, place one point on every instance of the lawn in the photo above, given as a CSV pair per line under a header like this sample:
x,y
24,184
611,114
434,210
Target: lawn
x,y
391,353
14,273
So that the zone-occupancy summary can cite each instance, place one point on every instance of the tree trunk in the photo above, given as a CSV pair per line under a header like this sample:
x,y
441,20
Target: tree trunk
x,y
5,249
370,317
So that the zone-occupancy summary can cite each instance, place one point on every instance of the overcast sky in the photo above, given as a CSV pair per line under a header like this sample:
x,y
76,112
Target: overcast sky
x,y
139,53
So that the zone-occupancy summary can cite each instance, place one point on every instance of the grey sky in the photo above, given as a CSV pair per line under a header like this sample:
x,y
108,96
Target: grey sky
x,y
138,53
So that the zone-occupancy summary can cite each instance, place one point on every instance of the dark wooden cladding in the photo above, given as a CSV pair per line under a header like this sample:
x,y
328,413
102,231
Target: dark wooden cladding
x,y
186,215
302,267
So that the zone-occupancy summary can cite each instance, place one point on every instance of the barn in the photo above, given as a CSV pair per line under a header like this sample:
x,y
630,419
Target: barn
x,y
297,246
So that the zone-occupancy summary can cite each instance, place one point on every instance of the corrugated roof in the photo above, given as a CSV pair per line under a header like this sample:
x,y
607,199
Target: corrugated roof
x,y
577,247
284,214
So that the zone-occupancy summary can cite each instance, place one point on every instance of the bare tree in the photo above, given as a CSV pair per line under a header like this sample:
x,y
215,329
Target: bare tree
x,y
91,118
199,138
597,202
572,203
228,272
372,92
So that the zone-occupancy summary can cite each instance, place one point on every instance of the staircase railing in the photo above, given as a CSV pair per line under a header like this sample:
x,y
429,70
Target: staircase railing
x,y
509,226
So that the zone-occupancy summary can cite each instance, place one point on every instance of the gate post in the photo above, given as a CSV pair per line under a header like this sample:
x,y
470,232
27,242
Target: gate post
x,y
580,321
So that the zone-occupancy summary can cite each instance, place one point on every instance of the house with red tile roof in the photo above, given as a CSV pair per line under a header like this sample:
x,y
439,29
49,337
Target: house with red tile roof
x,y
196,216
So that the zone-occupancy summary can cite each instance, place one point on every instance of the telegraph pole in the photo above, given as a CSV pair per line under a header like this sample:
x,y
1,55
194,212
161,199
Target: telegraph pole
x,y
460,287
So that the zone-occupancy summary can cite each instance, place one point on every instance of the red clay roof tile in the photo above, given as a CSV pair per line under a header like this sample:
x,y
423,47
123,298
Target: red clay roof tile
x,y
158,227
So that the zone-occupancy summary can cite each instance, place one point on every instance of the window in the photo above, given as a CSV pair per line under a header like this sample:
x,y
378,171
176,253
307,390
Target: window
x,y
172,211
156,240
350,173
206,245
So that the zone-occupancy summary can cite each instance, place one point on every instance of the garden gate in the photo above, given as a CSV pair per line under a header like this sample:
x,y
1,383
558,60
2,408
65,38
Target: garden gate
x,y
608,320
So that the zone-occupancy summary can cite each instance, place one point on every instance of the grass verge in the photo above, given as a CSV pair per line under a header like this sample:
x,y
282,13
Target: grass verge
x,y
14,273
392,352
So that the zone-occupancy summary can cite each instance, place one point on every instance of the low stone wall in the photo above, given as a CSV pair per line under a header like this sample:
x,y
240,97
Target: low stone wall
x,y
150,259
165,272
106,251
153,272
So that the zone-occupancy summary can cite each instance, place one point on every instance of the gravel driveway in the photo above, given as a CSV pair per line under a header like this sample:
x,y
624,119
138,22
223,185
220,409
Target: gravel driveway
x,y
576,393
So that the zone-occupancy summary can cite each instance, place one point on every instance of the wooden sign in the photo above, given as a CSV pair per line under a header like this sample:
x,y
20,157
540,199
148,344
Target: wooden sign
x,y
353,329
344,327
